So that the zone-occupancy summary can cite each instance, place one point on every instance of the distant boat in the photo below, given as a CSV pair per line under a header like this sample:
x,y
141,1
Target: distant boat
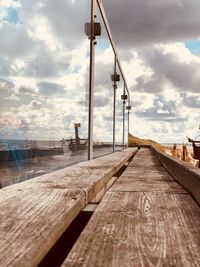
x,y
75,144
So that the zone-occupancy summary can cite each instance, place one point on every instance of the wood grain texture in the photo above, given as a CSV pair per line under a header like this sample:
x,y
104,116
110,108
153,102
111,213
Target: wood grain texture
x,y
147,178
156,173
35,213
187,175
145,157
32,221
90,176
145,185
144,161
140,229
145,219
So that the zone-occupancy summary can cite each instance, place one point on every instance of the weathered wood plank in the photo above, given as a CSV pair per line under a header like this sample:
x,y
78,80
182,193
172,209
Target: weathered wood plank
x,y
150,174
144,161
138,185
35,213
132,201
31,222
186,174
140,229
146,177
151,169
90,176
145,157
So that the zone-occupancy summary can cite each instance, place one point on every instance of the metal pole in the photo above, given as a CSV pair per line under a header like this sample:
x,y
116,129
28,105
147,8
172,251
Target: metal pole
x,y
107,27
91,82
128,108
128,122
114,101
124,102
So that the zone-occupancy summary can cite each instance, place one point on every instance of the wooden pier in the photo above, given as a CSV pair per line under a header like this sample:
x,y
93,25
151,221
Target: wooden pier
x,y
145,213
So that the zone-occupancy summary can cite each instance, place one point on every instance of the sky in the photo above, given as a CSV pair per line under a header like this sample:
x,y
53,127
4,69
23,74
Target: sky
x,y
44,59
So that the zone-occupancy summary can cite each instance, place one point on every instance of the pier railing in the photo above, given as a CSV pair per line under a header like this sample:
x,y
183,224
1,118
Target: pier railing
x,y
70,73
100,32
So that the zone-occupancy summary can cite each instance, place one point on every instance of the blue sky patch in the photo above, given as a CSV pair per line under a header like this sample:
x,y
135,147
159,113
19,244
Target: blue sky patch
x,y
193,46
102,44
11,15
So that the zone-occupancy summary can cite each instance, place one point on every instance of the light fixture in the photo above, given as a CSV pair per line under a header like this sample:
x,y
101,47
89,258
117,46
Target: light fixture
x,y
97,29
115,77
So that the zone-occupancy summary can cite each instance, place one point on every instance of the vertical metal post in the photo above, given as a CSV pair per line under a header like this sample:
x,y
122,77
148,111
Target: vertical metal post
x,y
128,108
124,102
91,82
128,121
114,101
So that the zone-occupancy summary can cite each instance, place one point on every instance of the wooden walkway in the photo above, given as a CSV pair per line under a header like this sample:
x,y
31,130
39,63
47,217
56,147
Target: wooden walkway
x,y
145,219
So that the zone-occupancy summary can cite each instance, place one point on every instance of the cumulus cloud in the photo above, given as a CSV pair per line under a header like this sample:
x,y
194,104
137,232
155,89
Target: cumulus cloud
x,y
5,85
68,30
101,100
150,84
50,89
191,100
35,105
9,3
5,66
170,66
136,23
15,41
10,120
44,53
25,90
182,70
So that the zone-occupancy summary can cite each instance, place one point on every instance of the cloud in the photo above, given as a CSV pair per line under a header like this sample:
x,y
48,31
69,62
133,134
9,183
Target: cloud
x,y
10,120
9,3
45,56
163,110
154,83
50,89
45,44
160,115
5,66
171,66
69,30
101,100
5,85
35,105
15,41
74,14
42,65
25,90
136,23
191,101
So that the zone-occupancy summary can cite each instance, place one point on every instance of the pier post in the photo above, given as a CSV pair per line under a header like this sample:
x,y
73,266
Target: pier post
x,y
124,102
128,120
91,82
114,101
128,108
